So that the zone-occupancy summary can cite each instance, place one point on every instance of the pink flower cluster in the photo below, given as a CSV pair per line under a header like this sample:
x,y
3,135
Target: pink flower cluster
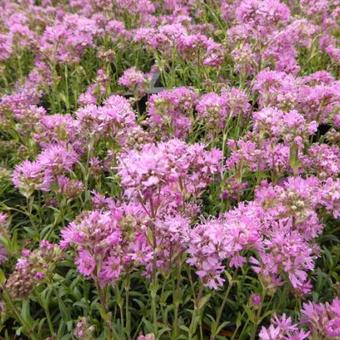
x,y
30,176
163,175
196,137
280,225
67,40
218,240
136,81
322,320
97,238
196,47
282,328
32,268
113,120
171,111
214,109
95,91
315,96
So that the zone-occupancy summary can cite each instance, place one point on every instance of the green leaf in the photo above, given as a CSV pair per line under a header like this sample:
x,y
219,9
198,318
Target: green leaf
x,y
65,314
203,301
221,326
26,312
2,277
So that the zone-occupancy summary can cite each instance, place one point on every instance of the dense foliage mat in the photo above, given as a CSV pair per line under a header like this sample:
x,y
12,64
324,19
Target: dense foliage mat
x,y
169,169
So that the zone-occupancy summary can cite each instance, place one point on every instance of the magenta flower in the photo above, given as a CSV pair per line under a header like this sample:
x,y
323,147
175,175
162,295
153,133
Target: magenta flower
x,y
255,300
66,40
86,263
322,319
57,129
165,173
57,159
330,196
30,176
113,120
285,253
171,111
212,109
282,328
97,239
134,80
221,240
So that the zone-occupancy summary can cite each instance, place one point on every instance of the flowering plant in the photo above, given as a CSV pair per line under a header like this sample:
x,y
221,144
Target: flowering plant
x,y
169,169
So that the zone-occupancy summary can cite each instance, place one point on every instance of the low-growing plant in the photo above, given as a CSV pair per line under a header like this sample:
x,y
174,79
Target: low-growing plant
x,y
169,169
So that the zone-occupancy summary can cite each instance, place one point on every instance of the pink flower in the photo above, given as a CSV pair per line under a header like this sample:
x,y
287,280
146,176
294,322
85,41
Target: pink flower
x,y
66,40
95,91
39,276
330,196
282,328
262,16
171,111
212,109
97,239
149,336
32,268
255,299
69,187
86,263
322,160
322,319
285,253
30,176
134,80
219,240
56,129
159,173
5,46
57,159
113,120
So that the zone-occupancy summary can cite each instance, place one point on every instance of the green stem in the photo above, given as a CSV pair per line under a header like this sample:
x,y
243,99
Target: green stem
x,y
153,292
106,315
238,326
21,73
27,329
119,301
47,312
30,202
67,95
176,299
127,311
220,311
258,314
196,317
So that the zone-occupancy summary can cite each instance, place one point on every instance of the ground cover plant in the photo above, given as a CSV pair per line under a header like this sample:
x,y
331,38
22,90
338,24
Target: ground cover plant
x,y
169,169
